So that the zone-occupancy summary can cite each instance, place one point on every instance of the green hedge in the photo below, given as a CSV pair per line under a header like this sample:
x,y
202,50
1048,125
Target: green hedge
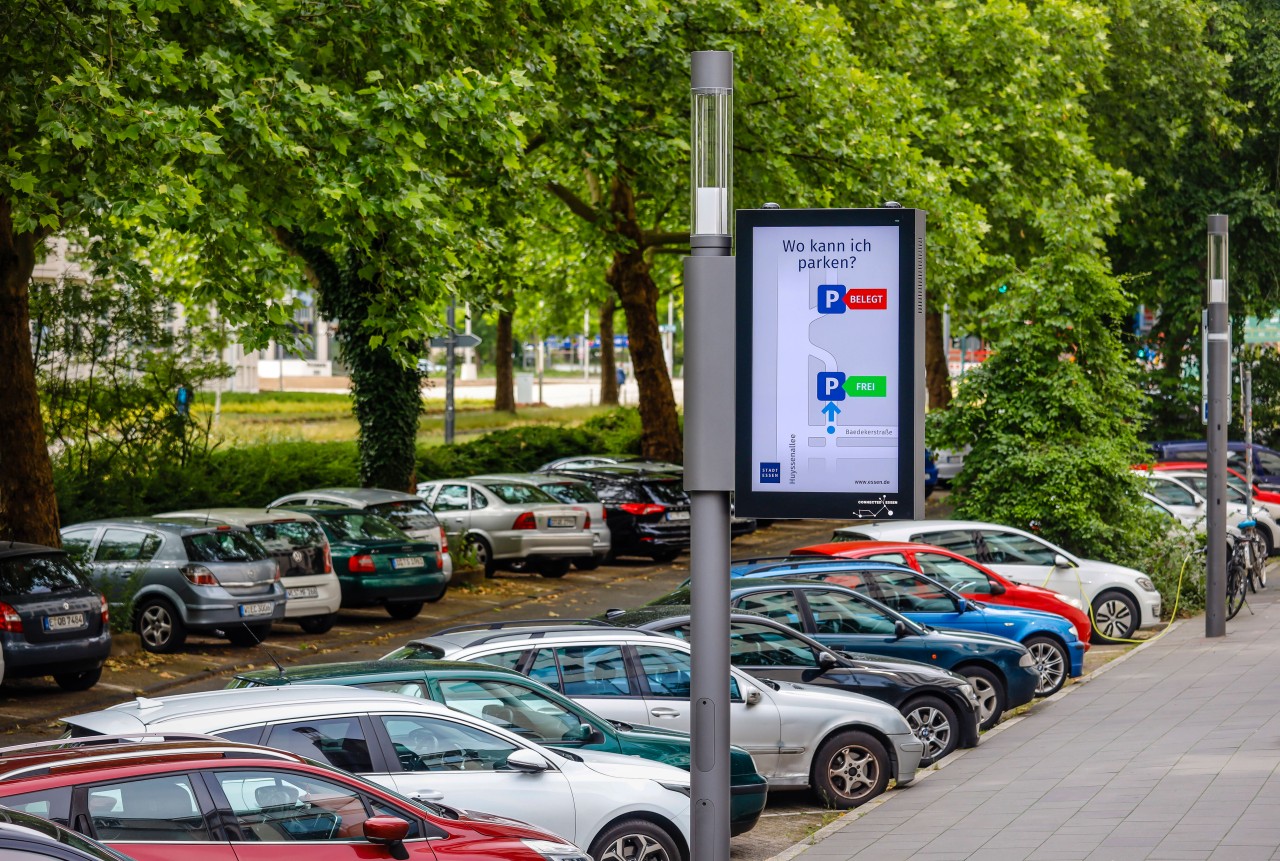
x,y
253,476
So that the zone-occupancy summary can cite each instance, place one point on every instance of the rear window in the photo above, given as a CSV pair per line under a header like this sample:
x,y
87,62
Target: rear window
x,y
287,535
667,492
519,494
846,535
407,513
33,575
415,652
229,545
571,492
362,527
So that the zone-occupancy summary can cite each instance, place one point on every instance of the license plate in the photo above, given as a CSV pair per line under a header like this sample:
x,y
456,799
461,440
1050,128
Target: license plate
x,y
69,622
261,609
407,562
677,515
304,592
560,522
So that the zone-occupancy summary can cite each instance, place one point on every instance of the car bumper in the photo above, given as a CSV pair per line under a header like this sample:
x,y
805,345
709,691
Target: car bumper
x,y
1020,687
523,544
326,600
208,617
907,749
746,802
381,588
42,659
1076,651
1150,603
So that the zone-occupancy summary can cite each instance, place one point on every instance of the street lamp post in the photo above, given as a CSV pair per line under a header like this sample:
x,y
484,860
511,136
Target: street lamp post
x,y
709,442
1218,358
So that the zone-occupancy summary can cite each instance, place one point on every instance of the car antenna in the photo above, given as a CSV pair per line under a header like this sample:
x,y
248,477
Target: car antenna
x,y
279,669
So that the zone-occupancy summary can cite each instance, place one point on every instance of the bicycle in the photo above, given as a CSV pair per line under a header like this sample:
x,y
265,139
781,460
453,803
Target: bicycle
x,y
1242,566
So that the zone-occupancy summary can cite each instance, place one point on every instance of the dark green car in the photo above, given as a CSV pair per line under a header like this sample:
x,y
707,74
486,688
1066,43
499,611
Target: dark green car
x,y
517,703
377,563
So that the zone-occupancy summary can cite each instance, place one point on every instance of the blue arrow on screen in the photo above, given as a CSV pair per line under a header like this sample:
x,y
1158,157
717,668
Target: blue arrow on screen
x,y
831,411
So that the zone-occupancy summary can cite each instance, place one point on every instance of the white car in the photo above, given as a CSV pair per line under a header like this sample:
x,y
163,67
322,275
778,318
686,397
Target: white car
x,y
845,746
615,805
1122,599
1187,491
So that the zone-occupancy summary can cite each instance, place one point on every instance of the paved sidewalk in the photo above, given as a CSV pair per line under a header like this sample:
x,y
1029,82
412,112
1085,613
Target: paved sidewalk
x,y
1172,753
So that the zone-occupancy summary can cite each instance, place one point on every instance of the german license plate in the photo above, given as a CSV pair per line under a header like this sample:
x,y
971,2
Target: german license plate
x,y
677,515
407,562
68,622
304,592
561,522
262,608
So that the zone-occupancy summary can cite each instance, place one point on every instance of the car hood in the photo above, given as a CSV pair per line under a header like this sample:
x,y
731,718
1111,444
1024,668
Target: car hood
x,y
621,765
1118,572
974,637
845,703
915,672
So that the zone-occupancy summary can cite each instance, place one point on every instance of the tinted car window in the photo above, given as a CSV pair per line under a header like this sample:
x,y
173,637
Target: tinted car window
x,y
362,527
1009,548
33,575
682,632
338,741
959,541
53,804
406,513
126,545
905,592
956,573
453,497
284,807
434,744
780,606
835,613
519,494
1170,493
667,492
76,543
153,809
593,671
614,492
759,646
287,535
227,545
508,660
667,671
574,492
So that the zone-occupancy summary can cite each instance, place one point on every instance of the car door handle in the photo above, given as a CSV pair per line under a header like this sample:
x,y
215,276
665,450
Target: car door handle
x,y
664,712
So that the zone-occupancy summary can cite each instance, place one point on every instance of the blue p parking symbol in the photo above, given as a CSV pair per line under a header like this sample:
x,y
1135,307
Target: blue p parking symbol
x,y
831,299
830,386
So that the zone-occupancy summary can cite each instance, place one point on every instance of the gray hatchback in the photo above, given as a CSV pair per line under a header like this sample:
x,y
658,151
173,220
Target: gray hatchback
x,y
182,577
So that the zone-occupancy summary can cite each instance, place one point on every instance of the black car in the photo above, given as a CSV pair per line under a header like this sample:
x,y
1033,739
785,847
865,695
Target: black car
x,y
940,706
52,622
24,836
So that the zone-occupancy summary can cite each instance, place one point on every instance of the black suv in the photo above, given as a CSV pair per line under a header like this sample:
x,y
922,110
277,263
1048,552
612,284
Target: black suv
x,y
52,622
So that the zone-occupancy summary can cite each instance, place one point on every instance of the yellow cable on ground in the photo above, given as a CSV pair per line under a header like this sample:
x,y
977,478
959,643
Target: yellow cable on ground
x,y
1173,614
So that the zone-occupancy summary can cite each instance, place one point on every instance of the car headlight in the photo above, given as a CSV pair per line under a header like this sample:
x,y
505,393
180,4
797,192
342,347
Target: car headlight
x,y
556,851
1027,661
1074,602
967,691
1145,583
682,788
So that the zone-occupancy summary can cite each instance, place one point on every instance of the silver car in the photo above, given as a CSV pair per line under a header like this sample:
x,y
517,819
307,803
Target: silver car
x,y
182,577
844,745
511,524
571,491
405,510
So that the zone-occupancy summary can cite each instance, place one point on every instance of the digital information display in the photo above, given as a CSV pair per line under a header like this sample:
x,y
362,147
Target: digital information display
x,y
830,369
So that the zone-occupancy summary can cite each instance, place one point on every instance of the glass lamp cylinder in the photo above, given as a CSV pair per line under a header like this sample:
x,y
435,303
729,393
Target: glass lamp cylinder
x,y
711,205
1217,258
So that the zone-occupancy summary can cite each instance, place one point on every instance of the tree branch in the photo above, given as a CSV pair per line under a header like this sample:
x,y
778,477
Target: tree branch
x,y
577,205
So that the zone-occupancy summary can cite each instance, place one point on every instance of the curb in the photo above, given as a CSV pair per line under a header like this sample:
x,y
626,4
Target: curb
x,y
857,813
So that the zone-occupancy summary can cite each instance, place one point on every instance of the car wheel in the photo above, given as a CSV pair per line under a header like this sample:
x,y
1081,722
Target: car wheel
x,y
634,840
1268,542
1115,617
851,768
403,609
665,554
991,694
587,563
1052,663
483,553
553,568
78,681
160,627
317,624
934,722
248,635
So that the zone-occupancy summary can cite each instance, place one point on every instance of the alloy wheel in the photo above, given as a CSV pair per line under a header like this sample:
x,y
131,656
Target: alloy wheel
x,y
932,727
1113,618
155,626
988,699
1049,664
853,771
635,847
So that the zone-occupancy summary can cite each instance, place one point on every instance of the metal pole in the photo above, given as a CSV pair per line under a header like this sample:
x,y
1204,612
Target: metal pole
x,y
448,372
586,344
1246,398
1219,378
709,401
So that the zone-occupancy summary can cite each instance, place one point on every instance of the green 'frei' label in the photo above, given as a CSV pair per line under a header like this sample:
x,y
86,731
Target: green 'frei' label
x,y
866,387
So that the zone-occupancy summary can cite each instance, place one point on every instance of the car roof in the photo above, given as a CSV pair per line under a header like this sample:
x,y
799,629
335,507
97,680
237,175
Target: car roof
x,y
18,548
391,670
99,753
240,516
623,472
538,478
550,630
158,523
362,495
782,563
832,548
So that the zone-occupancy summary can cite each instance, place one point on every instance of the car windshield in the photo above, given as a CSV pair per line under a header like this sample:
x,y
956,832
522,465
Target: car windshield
x,y
406,513
32,575
669,492
361,527
287,535
519,494
414,652
223,545
571,492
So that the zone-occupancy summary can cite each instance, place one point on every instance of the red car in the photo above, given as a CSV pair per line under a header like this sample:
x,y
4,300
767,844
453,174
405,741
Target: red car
x,y
212,800
963,575
1259,495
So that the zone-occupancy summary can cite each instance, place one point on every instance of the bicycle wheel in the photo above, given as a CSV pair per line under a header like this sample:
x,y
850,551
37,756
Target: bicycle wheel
x,y
1237,583
1258,570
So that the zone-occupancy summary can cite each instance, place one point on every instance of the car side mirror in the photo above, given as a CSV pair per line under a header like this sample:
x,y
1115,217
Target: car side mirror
x,y
388,831
1060,561
996,587
826,660
962,606
527,761
751,696
432,795
585,733
900,629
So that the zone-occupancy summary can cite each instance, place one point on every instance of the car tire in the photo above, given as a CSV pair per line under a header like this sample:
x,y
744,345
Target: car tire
x,y
483,553
403,609
317,624
1115,617
159,627
81,681
665,554
637,839
248,635
1269,543
553,568
850,769
587,563
935,723
1053,663
991,694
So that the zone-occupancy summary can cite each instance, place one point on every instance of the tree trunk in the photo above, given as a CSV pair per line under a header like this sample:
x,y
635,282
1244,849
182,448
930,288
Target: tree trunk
x,y
28,503
937,374
608,361
504,395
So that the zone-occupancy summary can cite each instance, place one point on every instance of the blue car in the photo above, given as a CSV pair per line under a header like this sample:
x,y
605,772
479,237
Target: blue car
x,y
1052,640
1002,672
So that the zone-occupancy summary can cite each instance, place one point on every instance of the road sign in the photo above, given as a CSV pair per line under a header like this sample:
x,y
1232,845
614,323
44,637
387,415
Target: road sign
x,y
1258,331
667,328
462,340
830,367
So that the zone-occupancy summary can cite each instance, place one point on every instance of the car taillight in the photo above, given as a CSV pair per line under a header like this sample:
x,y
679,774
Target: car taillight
x,y
586,521
444,541
10,620
328,559
525,521
362,563
198,575
639,508
106,612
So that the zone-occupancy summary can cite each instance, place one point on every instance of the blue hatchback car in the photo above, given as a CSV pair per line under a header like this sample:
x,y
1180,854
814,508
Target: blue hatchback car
x,y
1052,640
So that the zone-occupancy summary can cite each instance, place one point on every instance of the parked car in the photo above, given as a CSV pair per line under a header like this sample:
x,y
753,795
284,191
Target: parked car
x,y
527,708
973,581
182,577
604,801
930,473
584,461
941,707
52,621
1002,672
408,512
571,491
1055,649
1175,488
24,837
799,735
209,800
1235,478
948,463
509,523
1121,600
1266,462
377,563
301,550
